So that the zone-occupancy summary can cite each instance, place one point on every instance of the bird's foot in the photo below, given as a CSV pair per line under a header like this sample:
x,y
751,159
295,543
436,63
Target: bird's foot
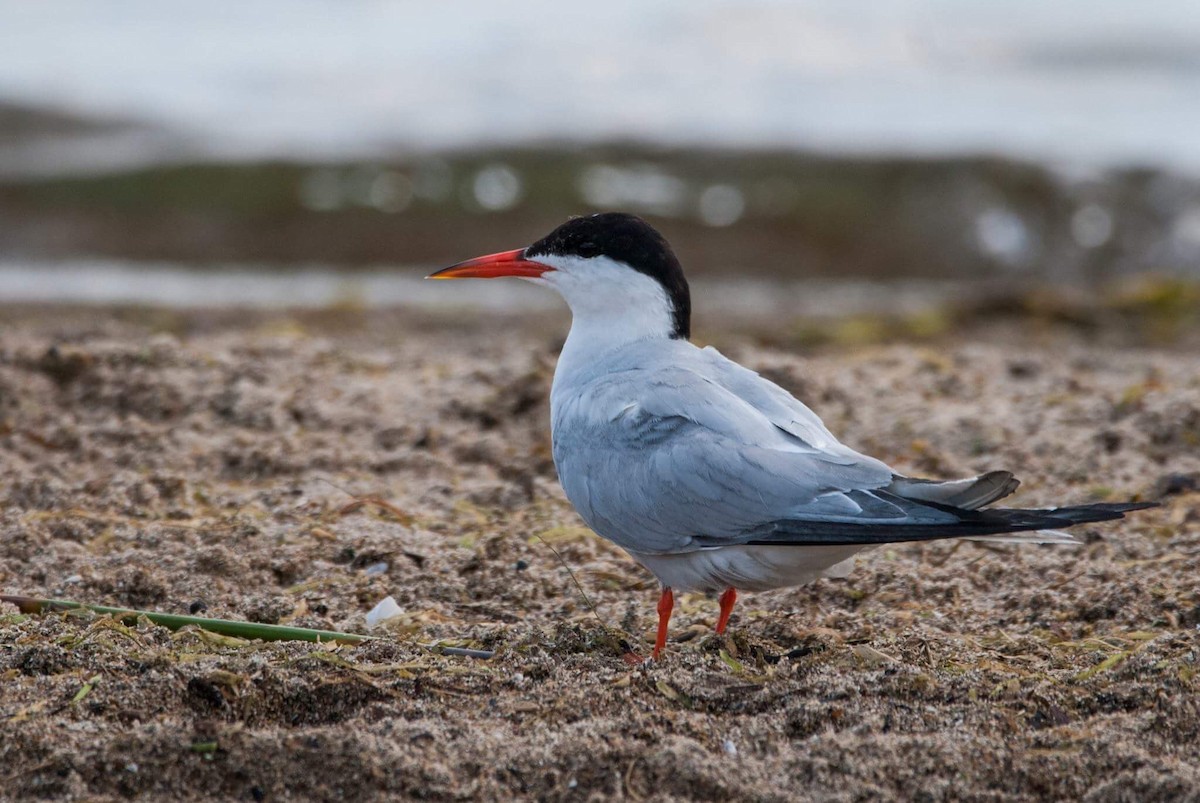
x,y
727,601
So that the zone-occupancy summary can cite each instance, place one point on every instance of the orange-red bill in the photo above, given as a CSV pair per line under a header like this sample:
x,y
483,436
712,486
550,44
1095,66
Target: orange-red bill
x,y
493,266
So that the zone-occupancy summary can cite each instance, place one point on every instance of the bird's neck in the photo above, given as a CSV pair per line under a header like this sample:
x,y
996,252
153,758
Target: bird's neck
x,y
600,327
612,307
590,339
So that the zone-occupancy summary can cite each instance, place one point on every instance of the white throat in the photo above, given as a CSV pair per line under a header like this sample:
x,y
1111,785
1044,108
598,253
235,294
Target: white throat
x,y
611,305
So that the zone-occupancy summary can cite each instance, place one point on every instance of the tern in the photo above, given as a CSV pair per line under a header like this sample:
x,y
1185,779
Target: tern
x,y
712,477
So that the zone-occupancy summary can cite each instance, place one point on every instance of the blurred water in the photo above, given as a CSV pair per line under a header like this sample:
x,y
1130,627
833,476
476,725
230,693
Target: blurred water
x,y
1075,81
106,282
102,282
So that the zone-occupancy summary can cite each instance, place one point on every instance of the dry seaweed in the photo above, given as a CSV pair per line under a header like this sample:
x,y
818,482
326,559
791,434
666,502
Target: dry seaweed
x,y
202,473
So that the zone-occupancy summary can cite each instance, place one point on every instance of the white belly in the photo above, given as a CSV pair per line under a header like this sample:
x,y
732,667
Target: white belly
x,y
748,568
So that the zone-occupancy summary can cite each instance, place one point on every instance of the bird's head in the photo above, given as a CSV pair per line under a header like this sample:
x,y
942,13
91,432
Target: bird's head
x,y
612,268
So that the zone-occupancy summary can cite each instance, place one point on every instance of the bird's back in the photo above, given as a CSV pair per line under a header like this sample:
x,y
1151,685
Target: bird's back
x,y
661,445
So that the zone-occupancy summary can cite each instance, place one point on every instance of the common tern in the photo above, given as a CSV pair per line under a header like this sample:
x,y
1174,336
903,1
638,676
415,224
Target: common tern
x,y
712,477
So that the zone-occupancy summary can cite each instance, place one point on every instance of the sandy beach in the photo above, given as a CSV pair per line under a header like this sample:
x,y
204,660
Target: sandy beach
x,y
219,463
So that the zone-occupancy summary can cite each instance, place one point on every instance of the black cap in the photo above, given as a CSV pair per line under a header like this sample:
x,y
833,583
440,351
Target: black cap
x,y
628,239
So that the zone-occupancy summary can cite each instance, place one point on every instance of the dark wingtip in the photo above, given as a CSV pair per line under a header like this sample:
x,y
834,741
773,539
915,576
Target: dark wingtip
x,y
1103,511
970,523
1115,507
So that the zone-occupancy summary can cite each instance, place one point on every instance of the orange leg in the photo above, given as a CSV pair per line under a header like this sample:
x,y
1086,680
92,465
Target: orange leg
x,y
665,604
727,600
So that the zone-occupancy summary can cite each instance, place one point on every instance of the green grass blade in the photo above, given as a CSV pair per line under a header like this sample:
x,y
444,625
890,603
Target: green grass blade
x,y
225,627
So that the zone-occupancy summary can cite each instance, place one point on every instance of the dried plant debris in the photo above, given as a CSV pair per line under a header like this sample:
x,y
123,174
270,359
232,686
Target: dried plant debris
x,y
294,471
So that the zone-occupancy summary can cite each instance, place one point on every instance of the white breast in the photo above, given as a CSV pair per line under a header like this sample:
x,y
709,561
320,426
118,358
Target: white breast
x,y
749,568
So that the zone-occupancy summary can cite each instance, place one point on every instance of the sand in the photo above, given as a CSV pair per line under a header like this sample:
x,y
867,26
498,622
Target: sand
x,y
211,462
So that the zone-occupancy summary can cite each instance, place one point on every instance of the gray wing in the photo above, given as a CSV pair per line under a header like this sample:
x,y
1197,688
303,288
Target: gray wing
x,y
675,459
671,460
781,407
792,415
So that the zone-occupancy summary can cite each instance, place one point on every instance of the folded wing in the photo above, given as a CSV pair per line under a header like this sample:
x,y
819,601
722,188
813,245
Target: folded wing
x,y
928,521
690,456
655,460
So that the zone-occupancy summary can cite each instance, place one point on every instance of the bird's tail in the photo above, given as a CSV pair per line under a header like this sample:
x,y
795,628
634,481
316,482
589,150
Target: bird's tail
x,y
1035,537
975,492
969,494
932,521
1079,514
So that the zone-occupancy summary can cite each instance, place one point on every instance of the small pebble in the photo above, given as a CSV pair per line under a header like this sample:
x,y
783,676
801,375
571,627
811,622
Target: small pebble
x,y
386,609
197,606
375,569
75,578
729,747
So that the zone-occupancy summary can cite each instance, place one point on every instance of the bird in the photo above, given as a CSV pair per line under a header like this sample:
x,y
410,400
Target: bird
x,y
711,476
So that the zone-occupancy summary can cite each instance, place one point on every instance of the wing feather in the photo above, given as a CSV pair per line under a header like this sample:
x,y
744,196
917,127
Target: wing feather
x,y
672,456
665,452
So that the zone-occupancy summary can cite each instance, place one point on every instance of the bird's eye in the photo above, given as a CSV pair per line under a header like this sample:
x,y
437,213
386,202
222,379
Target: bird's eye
x,y
588,250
